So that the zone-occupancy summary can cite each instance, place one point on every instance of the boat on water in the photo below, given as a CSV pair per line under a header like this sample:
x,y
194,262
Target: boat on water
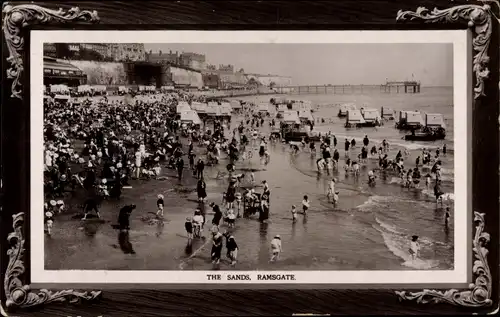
x,y
433,130
410,120
344,108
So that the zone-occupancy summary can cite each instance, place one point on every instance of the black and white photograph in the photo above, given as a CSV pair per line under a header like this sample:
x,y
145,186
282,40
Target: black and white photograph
x,y
259,156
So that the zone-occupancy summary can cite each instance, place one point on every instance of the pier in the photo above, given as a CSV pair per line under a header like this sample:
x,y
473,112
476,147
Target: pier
x,y
400,86
388,87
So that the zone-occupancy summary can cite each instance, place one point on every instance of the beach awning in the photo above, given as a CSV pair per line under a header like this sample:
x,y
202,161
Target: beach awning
x,y
263,107
183,106
199,107
371,115
190,116
306,114
414,117
226,108
62,97
344,108
387,112
355,116
291,117
60,68
434,120
236,104
212,109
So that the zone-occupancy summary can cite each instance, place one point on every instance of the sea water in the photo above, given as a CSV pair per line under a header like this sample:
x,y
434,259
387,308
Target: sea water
x,y
369,229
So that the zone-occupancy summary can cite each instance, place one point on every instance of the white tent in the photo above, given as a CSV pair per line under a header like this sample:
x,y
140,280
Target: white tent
x,y
414,117
282,108
303,105
84,88
226,108
434,120
99,88
236,104
212,109
306,114
183,106
355,117
387,112
291,117
344,108
190,116
371,115
199,107
59,88
264,107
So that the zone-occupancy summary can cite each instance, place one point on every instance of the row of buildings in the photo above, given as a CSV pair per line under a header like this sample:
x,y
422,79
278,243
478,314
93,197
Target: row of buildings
x,y
126,64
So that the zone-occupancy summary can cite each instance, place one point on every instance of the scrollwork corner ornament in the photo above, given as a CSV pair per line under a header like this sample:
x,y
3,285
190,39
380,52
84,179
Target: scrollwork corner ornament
x,y
478,17
21,296
479,292
16,17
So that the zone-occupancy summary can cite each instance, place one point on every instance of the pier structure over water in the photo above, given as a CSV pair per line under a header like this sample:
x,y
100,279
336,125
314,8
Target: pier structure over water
x,y
388,87
400,86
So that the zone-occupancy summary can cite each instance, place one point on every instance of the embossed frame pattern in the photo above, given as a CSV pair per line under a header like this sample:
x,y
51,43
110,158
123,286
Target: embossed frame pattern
x,y
478,16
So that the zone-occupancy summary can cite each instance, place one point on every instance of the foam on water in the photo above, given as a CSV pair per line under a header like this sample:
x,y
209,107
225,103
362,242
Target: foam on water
x,y
409,146
376,201
398,243
446,196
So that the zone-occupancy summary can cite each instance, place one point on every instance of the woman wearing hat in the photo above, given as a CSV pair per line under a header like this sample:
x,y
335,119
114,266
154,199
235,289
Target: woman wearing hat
x,y
276,248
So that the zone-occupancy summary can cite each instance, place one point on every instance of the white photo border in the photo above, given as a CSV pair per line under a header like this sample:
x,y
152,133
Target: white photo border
x,y
462,95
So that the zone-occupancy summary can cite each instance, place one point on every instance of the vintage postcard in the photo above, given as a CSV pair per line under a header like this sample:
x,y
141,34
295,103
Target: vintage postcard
x,y
304,157
281,158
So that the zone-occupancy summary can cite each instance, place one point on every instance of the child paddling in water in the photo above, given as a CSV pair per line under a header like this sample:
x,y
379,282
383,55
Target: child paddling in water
x,y
414,248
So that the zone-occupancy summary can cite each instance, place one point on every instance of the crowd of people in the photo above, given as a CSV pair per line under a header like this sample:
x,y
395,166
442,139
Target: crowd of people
x,y
98,147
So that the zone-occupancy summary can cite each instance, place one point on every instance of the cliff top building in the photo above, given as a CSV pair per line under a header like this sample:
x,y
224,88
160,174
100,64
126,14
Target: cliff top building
x,y
163,57
226,68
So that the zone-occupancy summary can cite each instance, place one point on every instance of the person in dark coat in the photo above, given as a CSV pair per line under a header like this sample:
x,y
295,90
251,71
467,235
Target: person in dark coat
x,y
124,217
180,167
366,141
200,166
201,188
217,214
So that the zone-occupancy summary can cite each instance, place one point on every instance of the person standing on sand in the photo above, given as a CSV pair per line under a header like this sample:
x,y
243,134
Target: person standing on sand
x,y
276,248
188,225
200,166
180,167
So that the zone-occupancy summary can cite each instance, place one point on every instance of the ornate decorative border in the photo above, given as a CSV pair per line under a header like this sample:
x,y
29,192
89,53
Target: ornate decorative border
x,y
479,293
479,19
15,18
21,295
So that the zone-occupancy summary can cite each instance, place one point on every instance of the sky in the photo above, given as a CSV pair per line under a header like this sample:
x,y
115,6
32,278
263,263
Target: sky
x,y
336,64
